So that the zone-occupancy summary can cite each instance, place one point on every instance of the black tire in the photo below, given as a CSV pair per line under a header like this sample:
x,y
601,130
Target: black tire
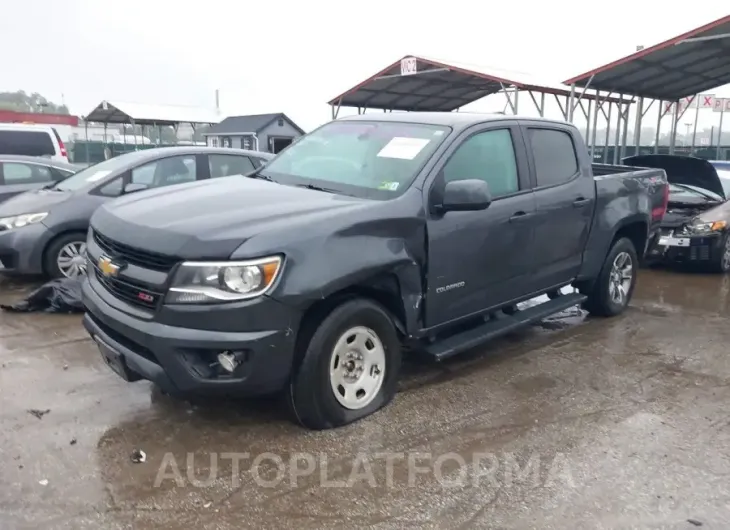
x,y
599,299
722,262
552,295
50,266
310,395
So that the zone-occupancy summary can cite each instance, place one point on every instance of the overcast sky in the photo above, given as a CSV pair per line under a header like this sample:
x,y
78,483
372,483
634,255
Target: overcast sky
x,y
294,56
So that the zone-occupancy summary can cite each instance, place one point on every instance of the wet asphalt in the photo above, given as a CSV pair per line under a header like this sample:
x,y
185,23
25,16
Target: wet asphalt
x,y
575,423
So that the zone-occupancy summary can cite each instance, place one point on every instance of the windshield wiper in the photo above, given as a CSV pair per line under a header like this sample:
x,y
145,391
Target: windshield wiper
x,y
256,174
319,188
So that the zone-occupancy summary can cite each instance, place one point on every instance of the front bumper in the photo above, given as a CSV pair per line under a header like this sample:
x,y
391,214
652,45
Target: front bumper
x,y
182,360
702,249
21,249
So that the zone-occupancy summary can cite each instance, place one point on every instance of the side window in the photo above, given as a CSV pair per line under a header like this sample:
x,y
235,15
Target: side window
x,y
489,156
165,172
113,189
554,155
16,173
225,165
60,174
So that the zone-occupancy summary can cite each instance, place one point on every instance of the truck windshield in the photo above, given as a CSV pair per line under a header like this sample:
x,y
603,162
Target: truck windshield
x,y
366,159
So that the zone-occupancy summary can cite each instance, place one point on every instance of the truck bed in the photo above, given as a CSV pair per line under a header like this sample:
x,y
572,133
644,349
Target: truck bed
x,y
601,170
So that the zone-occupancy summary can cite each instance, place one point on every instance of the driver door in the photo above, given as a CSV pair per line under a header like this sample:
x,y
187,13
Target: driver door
x,y
480,259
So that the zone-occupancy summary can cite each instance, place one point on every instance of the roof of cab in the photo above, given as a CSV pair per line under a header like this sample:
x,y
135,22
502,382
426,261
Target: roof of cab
x,y
448,119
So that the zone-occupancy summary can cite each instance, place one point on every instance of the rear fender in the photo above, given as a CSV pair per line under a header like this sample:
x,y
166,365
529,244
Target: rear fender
x,y
601,241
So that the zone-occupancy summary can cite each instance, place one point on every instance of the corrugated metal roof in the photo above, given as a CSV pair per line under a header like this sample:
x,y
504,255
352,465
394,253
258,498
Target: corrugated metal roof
x,y
249,124
147,114
440,85
686,65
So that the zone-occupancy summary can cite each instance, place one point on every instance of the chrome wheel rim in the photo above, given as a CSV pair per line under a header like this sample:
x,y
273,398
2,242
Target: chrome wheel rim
x,y
71,259
619,283
357,367
726,255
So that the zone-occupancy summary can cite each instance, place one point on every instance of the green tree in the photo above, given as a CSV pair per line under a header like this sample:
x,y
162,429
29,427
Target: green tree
x,y
34,102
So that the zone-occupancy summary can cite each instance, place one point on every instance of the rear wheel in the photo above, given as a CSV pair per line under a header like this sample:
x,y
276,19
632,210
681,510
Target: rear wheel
x,y
349,369
611,292
65,257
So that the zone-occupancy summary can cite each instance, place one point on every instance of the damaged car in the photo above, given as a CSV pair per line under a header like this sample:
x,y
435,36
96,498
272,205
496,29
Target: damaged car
x,y
696,228
369,238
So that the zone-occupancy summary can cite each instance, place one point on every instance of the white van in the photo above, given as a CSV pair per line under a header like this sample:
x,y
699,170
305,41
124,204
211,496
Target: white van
x,y
32,140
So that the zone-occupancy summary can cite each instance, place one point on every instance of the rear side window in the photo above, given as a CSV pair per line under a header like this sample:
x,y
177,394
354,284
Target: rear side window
x,y
225,165
554,153
17,173
29,143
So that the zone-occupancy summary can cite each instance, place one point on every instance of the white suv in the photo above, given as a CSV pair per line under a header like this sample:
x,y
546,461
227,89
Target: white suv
x,y
32,140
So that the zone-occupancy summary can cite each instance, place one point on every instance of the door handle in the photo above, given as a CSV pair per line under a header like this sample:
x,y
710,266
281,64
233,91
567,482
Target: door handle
x,y
519,216
580,202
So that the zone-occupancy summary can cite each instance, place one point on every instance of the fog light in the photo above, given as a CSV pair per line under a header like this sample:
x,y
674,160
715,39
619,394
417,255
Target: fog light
x,y
229,360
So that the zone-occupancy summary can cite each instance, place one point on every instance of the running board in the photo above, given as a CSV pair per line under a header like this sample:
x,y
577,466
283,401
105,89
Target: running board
x,y
494,328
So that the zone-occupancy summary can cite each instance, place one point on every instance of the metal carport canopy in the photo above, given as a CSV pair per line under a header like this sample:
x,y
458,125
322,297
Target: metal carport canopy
x,y
145,114
683,66
435,85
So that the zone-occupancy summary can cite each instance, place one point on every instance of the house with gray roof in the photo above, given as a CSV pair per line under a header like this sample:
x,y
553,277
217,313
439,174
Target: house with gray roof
x,y
260,132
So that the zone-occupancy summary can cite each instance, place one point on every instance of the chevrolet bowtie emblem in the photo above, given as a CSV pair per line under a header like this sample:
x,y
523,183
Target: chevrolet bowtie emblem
x,y
107,267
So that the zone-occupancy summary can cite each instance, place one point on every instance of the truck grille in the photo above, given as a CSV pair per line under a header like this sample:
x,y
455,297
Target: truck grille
x,y
134,256
131,292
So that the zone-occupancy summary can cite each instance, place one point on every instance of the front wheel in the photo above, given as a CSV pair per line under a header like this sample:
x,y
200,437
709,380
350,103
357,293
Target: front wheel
x,y
611,293
349,369
722,262
65,257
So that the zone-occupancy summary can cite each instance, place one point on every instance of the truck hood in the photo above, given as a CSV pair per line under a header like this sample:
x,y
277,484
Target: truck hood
x,y
686,170
36,201
212,218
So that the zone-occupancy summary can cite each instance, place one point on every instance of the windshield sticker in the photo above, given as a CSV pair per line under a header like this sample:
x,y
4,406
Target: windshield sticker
x,y
97,176
403,148
390,186
438,133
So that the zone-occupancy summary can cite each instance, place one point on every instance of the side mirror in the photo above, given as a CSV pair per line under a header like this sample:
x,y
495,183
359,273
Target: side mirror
x,y
133,187
466,195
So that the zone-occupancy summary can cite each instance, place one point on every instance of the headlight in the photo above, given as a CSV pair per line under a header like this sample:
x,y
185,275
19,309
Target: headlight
x,y
19,221
703,228
227,281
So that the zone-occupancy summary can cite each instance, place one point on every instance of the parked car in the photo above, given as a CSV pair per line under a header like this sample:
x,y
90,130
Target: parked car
x,y
44,231
696,227
24,173
32,140
368,236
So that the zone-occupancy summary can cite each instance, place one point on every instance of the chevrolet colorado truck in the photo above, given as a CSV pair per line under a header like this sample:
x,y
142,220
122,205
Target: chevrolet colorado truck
x,y
369,237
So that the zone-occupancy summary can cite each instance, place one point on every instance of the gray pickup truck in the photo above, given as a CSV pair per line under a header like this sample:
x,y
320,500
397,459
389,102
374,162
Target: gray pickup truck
x,y
371,236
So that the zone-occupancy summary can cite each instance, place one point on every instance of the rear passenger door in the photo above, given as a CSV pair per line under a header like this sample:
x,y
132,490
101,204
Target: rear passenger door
x,y
564,196
480,259
17,177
